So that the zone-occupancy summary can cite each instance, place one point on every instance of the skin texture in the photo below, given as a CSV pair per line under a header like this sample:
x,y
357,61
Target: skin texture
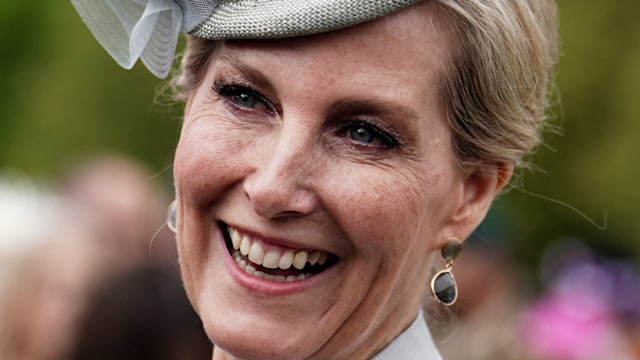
x,y
289,166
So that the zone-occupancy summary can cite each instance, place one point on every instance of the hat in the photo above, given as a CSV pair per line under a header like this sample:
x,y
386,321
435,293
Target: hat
x,y
149,29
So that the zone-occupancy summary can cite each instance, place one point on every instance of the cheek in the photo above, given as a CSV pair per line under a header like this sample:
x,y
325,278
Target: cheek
x,y
409,213
203,170
386,209
208,159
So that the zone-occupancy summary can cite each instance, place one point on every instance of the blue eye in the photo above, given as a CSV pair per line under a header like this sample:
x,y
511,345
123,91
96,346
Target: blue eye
x,y
361,134
243,97
365,133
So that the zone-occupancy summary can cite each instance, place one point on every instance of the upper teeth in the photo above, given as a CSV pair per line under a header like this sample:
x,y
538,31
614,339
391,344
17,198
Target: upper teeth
x,y
275,257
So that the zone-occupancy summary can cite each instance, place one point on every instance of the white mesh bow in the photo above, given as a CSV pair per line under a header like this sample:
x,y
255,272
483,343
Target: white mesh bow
x,y
134,29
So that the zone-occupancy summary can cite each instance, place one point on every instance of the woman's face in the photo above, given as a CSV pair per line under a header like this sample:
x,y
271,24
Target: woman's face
x,y
331,149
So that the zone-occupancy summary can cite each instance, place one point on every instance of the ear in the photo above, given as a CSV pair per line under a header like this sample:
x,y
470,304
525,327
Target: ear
x,y
480,187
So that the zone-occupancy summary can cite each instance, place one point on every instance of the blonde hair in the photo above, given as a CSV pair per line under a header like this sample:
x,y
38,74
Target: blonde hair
x,y
495,90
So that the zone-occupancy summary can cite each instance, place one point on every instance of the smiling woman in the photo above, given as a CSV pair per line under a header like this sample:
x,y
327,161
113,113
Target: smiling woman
x,y
320,166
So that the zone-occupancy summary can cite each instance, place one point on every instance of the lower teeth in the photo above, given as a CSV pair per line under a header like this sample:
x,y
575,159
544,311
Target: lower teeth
x,y
248,267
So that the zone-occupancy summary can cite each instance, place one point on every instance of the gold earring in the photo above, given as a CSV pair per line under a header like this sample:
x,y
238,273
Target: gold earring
x,y
443,284
172,217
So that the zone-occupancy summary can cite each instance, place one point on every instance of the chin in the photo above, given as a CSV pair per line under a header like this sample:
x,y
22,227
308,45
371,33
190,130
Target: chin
x,y
249,336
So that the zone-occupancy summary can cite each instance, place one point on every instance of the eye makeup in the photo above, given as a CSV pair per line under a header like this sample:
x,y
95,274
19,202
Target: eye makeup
x,y
367,133
242,96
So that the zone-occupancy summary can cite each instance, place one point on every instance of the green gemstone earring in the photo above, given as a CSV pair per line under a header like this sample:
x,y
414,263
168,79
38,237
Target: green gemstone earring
x,y
443,284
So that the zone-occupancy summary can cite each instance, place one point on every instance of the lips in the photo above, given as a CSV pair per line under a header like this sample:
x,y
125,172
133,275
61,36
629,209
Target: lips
x,y
276,263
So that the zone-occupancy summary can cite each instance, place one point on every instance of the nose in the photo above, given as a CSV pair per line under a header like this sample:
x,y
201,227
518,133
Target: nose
x,y
282,183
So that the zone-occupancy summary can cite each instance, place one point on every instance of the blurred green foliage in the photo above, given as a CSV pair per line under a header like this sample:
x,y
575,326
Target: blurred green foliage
x,y
62,99
592,166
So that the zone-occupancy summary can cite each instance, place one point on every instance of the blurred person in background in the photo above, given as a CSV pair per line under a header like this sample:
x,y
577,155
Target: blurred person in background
x,y
131,314
28,213
107,232
48,294
142,313
125,205
47,267
587,310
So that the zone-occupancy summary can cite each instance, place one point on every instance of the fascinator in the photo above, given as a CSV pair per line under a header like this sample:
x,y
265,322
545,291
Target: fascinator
x,y
149,29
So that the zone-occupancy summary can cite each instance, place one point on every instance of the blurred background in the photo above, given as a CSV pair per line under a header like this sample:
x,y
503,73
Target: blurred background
x,y
86,152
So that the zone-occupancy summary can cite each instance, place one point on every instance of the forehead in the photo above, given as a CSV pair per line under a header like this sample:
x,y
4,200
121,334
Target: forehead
x,y
409,46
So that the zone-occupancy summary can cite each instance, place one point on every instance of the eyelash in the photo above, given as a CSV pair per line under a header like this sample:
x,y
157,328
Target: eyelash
x,y
228,90
387,139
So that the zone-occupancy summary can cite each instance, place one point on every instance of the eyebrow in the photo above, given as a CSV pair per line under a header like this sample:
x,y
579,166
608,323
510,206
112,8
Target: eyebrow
x,y
377,106
250,73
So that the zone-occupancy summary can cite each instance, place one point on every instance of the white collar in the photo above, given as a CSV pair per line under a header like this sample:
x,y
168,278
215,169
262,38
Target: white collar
x,y
415,343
